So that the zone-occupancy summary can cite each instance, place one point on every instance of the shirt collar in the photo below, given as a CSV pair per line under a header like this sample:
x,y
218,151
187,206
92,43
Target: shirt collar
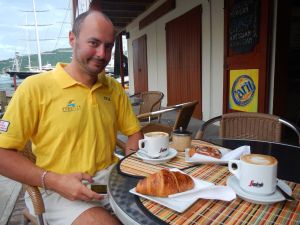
x,y
65,80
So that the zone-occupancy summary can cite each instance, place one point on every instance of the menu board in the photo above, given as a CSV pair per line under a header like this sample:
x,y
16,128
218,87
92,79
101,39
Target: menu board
x,y
244,25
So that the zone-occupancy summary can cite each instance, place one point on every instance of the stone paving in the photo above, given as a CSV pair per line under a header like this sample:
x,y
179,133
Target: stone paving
x,y
9,192
16,217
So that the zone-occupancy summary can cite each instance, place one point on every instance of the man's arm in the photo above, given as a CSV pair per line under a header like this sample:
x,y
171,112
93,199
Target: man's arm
x,y
19,168
15,166
132,144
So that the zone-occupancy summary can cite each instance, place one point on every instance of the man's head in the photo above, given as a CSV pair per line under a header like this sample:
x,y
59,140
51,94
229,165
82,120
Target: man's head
x,y
92,40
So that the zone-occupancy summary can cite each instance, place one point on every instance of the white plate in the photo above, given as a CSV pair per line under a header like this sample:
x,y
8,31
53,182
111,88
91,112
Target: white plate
x,y
227,154
207,159
181,201
258,199
142,155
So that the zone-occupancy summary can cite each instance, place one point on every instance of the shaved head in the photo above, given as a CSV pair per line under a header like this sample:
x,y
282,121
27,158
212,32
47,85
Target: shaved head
x,y
81,18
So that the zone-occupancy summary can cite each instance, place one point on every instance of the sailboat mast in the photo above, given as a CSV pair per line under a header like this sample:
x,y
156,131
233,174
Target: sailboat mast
x,y
28,50
37,36
16,62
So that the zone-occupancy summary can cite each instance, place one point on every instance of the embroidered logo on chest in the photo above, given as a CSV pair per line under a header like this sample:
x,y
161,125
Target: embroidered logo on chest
x,y
106,98
71,107
4,125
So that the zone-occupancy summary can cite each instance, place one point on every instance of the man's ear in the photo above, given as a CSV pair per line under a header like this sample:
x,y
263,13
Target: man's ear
x,y
72,39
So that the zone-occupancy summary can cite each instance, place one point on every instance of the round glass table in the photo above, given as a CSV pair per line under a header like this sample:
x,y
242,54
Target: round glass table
x,y
130,210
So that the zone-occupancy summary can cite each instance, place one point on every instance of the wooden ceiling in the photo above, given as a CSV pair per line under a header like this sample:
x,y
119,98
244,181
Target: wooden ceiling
x,y
122,12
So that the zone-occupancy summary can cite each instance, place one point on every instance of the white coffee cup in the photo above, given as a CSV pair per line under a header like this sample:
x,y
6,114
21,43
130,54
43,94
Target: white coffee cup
x,y
257,174
155,144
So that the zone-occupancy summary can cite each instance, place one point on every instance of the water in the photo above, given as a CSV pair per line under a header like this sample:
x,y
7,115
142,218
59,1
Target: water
x,y
7,84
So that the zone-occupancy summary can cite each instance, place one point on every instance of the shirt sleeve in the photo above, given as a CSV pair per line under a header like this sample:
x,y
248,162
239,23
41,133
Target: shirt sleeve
x,y
128,123
19,119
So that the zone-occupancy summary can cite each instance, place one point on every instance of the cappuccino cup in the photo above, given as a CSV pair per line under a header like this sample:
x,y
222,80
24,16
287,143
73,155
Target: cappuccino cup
x,y
155,144
257,174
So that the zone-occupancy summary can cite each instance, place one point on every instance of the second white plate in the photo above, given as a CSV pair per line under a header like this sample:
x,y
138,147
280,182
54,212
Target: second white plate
x,y
257,199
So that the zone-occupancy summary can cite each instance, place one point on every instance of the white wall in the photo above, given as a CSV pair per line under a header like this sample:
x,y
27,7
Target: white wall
x,y
212,51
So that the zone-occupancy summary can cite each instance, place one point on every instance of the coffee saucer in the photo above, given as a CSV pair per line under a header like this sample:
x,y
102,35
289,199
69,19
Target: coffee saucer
x,y
233,182
142,155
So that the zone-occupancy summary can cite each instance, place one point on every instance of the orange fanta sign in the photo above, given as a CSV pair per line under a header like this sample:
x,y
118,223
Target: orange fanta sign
x,y
243,95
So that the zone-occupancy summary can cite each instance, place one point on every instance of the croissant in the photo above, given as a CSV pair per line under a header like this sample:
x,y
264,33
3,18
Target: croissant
x,y
164,183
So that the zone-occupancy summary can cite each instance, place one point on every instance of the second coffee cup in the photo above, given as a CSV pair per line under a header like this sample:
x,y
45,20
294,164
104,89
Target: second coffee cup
x,y
155,144
256,173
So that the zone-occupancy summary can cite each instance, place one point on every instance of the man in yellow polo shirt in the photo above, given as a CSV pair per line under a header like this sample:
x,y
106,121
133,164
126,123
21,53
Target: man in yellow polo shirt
x,y
71,115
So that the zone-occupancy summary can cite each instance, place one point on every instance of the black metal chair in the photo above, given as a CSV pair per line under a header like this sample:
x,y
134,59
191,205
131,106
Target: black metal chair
x,y
183,117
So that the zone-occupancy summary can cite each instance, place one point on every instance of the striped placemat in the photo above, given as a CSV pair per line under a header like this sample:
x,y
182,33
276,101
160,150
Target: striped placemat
x,y
221,212
134,166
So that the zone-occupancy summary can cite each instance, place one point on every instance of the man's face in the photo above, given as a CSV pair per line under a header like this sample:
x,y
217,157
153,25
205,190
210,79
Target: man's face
x,y
92,48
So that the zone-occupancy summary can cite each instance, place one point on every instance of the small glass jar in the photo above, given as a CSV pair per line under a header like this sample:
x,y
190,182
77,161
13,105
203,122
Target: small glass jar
x,y
181,139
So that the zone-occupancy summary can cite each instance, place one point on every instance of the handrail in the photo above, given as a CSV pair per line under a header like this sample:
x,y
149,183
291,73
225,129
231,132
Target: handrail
x,y
159,112
181,105
290,125
155,113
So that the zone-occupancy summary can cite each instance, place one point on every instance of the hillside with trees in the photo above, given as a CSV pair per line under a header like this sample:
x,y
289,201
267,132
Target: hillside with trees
x,y
51,57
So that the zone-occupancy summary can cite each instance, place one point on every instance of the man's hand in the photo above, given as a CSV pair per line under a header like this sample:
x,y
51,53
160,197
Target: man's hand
x,y
23,170
71,187
132,142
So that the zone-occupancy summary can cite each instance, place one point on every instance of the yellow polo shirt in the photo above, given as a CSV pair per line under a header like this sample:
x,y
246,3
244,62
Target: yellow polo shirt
x,y
72,128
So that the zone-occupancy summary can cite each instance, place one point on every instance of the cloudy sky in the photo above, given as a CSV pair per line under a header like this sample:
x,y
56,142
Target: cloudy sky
x,y
15,36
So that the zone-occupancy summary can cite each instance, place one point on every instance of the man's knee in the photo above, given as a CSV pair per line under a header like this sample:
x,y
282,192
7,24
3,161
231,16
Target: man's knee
x,y
96,216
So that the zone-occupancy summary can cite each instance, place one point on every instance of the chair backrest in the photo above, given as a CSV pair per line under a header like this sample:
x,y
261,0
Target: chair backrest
x,y
3,101
184,114
255,126
27,152
33,192
183,117
244,125
151,101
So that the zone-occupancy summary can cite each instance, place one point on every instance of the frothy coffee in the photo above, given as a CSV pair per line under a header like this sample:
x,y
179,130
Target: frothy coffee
x,y
156,134
259,159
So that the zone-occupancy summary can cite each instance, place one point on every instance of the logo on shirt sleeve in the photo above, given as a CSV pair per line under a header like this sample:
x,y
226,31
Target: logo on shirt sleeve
x,y
4,125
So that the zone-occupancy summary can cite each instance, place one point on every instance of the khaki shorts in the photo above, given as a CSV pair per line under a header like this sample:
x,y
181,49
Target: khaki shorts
x,y
61,211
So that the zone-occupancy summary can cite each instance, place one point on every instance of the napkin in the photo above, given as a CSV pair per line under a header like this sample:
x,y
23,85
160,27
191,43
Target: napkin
x,y
226,155
216,192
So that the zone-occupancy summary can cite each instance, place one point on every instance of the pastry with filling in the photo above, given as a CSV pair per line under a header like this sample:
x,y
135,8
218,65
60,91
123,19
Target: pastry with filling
x,y
205,150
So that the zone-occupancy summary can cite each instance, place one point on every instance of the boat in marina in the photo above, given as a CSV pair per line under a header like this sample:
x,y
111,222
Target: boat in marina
x,y
15,71
22,74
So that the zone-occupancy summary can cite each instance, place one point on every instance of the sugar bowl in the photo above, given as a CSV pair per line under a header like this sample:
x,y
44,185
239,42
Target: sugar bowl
x,y
181,139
